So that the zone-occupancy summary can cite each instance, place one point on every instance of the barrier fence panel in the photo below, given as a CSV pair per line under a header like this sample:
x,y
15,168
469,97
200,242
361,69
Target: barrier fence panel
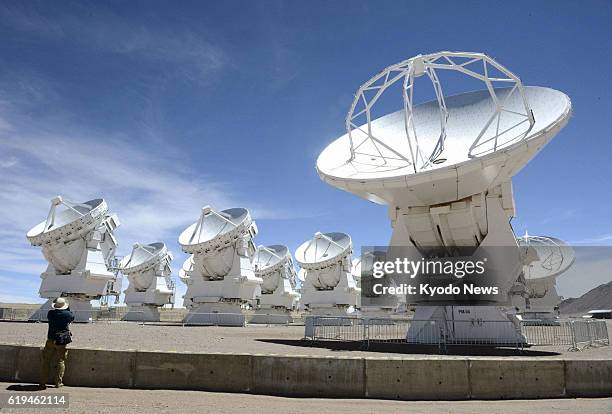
x,y
336,328
589,333
548,333
576,334
386,329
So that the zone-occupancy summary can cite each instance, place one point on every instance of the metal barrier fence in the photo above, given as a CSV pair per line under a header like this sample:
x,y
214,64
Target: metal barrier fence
x,y
576,334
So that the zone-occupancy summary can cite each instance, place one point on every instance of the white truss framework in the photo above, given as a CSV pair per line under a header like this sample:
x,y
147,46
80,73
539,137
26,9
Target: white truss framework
x,y
476,65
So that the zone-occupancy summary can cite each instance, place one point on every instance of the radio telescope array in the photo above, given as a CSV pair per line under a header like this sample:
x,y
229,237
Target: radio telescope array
x,y
444,168
148,270
77,240
218,274
545,259
328,286
274,265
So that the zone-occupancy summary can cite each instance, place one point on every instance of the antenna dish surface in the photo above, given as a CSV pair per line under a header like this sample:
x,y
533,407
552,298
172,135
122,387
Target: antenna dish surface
x,y
554,257
323,250
467,115
68,223
466,142
215,228
270,258
143,257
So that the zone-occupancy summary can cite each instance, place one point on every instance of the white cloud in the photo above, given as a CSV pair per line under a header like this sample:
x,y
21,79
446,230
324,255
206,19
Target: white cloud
x,y
101,30
597,240
8,162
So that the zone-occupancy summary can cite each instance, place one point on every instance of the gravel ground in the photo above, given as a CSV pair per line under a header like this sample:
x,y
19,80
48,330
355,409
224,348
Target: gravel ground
x,y
113,400
252,339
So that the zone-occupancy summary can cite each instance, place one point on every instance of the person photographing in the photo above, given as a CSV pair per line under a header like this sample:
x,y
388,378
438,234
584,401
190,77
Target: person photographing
x,y
58,336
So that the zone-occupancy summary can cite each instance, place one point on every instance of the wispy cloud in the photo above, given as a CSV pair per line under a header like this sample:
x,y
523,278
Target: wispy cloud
x,y
560,215
189,51
596,240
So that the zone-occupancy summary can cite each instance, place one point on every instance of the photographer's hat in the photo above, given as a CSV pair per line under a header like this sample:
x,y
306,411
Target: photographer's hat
x,y
60,304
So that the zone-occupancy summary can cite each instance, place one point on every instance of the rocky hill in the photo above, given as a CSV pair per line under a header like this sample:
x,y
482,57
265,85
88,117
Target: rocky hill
x,y
597,298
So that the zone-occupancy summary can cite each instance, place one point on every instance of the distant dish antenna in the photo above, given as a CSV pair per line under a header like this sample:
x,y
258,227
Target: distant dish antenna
x,y
274,265
78,242
444,167
329,287
219,275
371,304
546,258
151,286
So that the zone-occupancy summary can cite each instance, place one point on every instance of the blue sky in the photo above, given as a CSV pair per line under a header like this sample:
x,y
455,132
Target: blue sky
x,y
163,107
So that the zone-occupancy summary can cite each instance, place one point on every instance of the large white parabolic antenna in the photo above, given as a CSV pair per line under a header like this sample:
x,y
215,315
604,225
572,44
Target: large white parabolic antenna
x,y
149,273
546,258
219,275
274,265
328,287
77,240
444,167
447,149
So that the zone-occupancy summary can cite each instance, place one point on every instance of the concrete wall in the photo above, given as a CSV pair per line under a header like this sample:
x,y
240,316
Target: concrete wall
x,y
434,378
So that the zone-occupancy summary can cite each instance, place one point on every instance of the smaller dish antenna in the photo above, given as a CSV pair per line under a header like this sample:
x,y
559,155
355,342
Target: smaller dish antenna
x,y
373,304
329,287
545,259
274,265
215,229
151,286
78,242
219,275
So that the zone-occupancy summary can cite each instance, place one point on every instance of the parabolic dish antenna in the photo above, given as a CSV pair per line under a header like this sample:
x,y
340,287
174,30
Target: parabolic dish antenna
x,y
301,275
328,287
78,242
270,258
187,268
554,257
480,135
269,261
445,169
71,222
215,229
219,274
274,265
356,268
142,258
323,250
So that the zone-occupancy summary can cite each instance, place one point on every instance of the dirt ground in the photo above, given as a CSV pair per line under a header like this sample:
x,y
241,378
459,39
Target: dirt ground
x,y
260,339
285,340
113,400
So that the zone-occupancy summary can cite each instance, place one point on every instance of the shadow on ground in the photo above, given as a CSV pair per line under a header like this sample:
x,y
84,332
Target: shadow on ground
x,y
410,349
24,387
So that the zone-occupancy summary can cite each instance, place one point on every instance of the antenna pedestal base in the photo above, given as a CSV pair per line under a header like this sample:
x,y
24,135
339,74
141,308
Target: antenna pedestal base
x,y
217,313
142,313
150,298
81,308
271,316
283,297
543,306
377,311
469,325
